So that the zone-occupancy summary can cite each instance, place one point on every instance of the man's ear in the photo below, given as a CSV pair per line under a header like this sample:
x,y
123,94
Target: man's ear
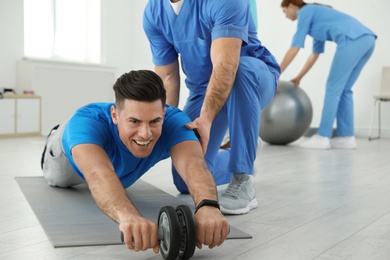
x,y
114,114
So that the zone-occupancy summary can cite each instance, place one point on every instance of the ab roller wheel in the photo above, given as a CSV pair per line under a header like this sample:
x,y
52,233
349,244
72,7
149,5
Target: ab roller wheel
x,y
176,232
187,232
168,233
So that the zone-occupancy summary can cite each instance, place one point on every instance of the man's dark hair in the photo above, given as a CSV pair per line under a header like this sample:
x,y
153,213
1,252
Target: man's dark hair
x,y
139,85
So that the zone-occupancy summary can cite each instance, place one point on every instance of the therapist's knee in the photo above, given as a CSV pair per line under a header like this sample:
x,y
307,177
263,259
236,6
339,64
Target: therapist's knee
x,y
182,188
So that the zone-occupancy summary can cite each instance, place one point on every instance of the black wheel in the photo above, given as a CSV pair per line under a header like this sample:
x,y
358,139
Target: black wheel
x,y
169,233
187,231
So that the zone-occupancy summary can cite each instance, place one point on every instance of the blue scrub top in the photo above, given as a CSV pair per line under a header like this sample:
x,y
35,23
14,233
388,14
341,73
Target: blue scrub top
x,y
191,32
324,23
92,124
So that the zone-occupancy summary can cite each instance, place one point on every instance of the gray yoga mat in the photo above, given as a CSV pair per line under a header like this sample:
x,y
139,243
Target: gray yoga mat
x,y
70,217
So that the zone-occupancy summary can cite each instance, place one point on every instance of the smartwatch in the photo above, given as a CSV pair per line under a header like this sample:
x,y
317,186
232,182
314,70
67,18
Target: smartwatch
x,y
211,203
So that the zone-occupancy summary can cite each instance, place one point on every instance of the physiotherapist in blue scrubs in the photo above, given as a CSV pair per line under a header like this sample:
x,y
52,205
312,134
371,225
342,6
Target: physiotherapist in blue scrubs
x,y
230,75
355,45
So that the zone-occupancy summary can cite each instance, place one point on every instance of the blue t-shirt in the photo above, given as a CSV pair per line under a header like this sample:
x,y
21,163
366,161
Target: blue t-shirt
x,y
324,23
92,124
191,32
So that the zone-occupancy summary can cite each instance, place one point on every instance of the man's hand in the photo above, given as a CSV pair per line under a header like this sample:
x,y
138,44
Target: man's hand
x,y
203,127
140,234
212,227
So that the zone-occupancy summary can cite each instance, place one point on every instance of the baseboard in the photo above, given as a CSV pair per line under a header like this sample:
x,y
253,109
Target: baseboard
x,y
361,132
364,132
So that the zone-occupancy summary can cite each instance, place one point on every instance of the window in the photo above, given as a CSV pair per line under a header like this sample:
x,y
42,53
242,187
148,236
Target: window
x,y
66,30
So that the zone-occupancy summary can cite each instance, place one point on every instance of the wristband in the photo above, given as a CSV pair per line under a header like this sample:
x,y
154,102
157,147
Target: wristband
x,y
211,203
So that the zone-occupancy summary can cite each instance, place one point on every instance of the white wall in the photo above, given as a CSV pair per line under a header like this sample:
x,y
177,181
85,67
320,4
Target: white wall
x,y
11,43
276,33
65,87
124,42
125,47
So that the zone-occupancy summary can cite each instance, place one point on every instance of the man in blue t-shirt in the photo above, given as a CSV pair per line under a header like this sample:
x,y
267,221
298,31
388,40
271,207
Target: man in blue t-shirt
x,y
110,146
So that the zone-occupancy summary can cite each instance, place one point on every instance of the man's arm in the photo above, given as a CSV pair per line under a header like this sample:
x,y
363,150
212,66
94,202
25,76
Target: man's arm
x,y
212,227
225,57
111,197
170,75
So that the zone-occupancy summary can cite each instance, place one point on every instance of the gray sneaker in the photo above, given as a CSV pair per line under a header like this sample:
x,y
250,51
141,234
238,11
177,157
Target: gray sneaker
x,y
240,195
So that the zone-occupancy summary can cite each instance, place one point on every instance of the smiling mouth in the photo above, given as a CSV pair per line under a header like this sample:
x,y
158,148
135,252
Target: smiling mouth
x,y
142,143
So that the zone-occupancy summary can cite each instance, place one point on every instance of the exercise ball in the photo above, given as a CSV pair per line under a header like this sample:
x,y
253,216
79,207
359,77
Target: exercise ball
x,y
287,117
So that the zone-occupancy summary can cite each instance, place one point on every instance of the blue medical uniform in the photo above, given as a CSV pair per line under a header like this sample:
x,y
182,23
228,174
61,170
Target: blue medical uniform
x,y
92,124
189,35
355,44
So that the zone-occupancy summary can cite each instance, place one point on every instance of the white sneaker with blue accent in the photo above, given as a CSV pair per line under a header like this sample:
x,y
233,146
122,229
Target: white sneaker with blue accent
x,y
240,196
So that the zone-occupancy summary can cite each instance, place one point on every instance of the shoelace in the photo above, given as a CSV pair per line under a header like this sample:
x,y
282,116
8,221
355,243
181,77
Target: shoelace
x,y
234,188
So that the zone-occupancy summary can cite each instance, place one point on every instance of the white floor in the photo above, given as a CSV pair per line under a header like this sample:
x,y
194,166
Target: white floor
x,y
321,205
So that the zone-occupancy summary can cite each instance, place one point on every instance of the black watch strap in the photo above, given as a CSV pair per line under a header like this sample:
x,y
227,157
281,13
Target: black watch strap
x,y
211,203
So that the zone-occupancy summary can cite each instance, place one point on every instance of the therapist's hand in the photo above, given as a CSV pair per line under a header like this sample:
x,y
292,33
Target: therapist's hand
x,y
202,126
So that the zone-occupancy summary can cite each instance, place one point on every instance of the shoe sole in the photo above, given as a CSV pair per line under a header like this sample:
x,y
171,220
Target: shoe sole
x,y
252,205
338,146
344,147
315,148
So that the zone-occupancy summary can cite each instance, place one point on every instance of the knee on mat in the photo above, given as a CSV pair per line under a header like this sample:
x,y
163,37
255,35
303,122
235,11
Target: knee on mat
x,y
182,188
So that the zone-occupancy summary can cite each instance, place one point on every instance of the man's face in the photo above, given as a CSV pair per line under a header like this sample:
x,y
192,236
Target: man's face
x,y
139,125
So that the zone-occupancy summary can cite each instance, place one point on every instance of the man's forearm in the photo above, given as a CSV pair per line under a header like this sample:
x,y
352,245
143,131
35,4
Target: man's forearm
x,y
201,183
225,55
218,91
102,181
171,77
111,197
188,160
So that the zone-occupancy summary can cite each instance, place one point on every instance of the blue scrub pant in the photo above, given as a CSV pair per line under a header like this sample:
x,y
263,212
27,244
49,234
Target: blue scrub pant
x,y
254,88
348,62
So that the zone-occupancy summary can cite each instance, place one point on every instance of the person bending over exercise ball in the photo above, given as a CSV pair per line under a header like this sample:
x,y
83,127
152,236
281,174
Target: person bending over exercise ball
x,y
355,44
230,77
111,145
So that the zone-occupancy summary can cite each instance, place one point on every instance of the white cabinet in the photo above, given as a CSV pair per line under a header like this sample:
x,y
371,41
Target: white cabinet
x,y
7,116
20,115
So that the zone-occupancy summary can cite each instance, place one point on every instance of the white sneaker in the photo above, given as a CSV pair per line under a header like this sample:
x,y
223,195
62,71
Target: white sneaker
x,y
343,142
317,142
240,196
